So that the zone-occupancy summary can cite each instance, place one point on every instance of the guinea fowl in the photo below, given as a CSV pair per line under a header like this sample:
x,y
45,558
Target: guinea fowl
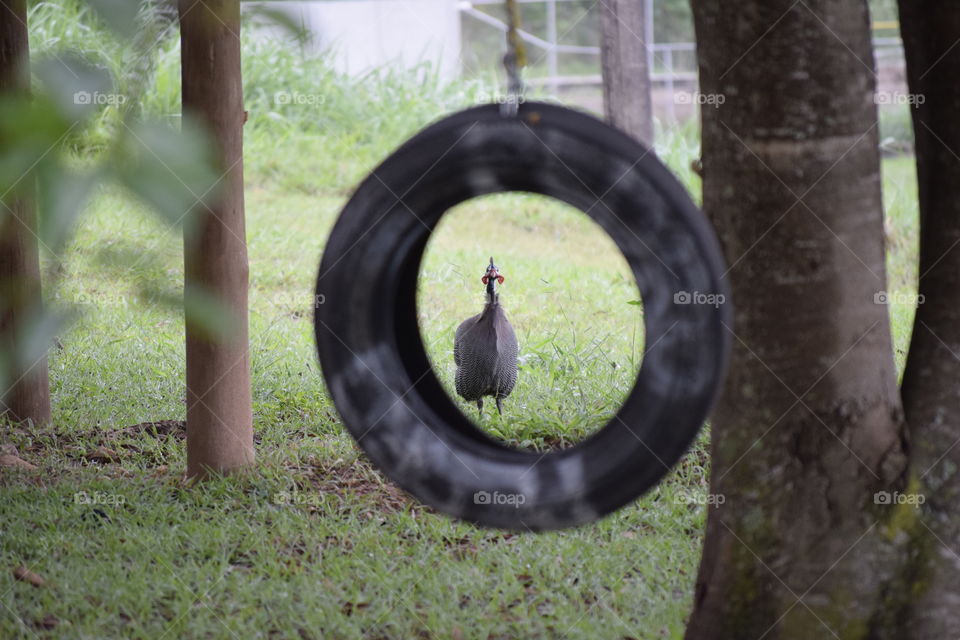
x,y
485,349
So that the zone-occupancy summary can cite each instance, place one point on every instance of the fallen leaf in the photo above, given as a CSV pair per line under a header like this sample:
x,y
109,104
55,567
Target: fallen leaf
x,y
48,621
102,454
24,574
349,608
96,516
525,579
14,461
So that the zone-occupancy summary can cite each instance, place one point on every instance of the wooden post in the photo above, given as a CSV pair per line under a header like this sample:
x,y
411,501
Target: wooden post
x,y
626,69
26,391
219,415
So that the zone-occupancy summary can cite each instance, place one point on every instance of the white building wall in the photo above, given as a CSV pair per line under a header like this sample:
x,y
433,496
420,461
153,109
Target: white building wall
x,y
366,34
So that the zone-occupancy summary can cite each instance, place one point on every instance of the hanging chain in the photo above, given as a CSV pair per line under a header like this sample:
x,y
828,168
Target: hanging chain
x,y
514,60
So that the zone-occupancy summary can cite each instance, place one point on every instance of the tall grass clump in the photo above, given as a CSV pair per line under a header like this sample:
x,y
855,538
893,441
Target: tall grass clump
x,y
310,127
333,128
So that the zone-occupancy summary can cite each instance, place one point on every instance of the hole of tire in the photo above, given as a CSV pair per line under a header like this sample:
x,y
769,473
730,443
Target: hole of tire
x,y
571,300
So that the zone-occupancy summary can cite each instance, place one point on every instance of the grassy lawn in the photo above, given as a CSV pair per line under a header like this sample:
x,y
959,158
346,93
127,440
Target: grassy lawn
x,y
313,542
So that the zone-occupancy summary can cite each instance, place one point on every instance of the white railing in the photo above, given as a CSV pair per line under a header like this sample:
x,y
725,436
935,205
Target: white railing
x,y
664,72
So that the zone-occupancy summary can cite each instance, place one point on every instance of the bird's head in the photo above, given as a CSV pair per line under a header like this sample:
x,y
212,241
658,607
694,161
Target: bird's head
x,y
492,278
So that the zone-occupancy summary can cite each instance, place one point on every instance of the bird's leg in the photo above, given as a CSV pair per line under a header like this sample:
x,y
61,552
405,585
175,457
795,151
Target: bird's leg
x,y
499,405
480,406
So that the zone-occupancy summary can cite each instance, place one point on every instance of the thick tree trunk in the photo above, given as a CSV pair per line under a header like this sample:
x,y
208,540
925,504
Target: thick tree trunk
x,y
26,390
219,417
930,383
810,425
626,71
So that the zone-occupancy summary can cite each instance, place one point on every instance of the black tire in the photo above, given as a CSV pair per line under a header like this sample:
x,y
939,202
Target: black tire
x,y
380,377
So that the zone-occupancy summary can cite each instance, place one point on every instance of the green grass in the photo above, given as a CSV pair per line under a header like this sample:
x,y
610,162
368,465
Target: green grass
x,y
567,292
347,556
903,242
314,542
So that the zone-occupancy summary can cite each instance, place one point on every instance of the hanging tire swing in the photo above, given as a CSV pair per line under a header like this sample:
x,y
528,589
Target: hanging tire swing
x,y
378,372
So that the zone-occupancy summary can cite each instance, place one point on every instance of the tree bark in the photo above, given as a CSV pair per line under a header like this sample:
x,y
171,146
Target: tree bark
x,y
931,401
26,388
219,415
626,71
810,424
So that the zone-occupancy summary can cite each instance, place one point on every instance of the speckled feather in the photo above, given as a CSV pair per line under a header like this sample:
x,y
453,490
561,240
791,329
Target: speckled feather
x,y
485,351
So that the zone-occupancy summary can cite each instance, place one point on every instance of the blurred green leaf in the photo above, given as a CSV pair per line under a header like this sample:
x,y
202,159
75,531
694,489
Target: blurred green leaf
x,y
261,15
40,328
205,312
172,171
75,85
119,15
201,306
117,257
29,131
63,194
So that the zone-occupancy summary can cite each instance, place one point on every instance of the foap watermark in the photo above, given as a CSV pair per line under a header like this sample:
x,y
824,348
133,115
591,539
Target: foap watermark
x,y
500,98
497,498
895,497
99,98
899,98
296,498
703,499
99,497
299,99
299,299
886,297
699,297
709,99
102,299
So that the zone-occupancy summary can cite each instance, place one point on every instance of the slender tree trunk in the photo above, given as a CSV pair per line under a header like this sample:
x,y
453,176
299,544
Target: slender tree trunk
x,y
219,417
26,391
810,425
626,71
930,383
